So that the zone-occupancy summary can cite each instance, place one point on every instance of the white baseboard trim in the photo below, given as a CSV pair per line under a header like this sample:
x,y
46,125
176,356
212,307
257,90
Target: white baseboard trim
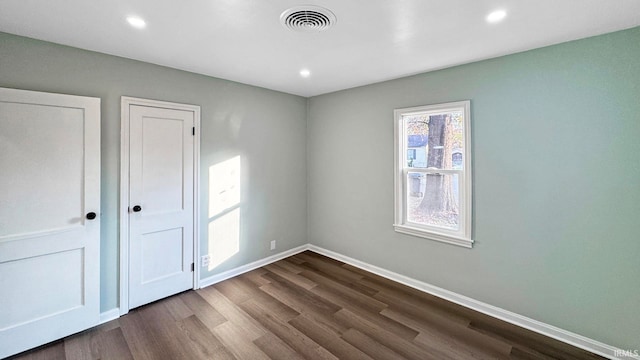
x,y
109,315
251,266
493,311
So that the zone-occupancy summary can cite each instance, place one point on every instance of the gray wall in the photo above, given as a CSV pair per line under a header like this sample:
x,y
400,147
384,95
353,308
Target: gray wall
x,y
266,128
556,140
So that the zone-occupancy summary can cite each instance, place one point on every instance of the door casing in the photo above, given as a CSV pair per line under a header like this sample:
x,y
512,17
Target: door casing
x,y
125,102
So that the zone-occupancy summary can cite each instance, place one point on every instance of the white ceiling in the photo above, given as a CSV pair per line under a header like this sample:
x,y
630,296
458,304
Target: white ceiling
x,y
372,41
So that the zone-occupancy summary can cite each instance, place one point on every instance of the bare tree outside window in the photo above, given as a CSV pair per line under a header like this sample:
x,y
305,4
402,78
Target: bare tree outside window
x,y
439,203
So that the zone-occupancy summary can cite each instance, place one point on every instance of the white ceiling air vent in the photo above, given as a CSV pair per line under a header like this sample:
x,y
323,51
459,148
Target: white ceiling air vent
x,y
308,18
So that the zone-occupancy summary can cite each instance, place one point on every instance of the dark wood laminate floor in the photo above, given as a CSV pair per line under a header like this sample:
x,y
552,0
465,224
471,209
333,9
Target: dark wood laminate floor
x,y
306,307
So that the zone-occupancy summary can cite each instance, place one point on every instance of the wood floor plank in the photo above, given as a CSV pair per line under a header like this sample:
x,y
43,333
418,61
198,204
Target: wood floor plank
x,y
446,333
293,277
370,346
108,325
323,317
142,341
233,338
163,328
291,336
354,282
236,290
351,295
528,342
323,258
303,301
527,354
205,312
373,316
327,339
255,276
202,343
434,335
296,297
241,289
412,295
386,338
275,348
112,345
358,303
289,266
251,328
187,339
177,308
457,348
282,311
79,347
424,310
294,259
328,267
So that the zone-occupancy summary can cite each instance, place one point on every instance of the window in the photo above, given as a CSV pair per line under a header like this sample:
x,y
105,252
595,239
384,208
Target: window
x,y
433,172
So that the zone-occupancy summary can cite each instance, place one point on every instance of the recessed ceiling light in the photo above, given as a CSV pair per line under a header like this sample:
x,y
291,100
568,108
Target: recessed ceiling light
x,y
305,73
136,22
496,16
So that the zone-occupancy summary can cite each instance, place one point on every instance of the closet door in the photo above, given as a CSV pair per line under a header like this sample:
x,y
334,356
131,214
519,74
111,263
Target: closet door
x,y
49,217
161,209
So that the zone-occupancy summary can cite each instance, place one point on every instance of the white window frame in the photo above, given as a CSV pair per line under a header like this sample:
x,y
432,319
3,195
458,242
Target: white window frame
x,y
461,237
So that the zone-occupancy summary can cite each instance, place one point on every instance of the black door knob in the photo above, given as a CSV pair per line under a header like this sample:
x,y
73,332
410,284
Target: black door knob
x,y
137,208
91,216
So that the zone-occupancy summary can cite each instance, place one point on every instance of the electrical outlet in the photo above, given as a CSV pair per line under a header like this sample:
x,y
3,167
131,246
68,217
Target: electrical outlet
x,y
205,259
273,244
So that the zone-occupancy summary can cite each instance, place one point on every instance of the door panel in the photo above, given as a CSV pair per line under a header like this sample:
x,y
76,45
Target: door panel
x,y
63,287
162,167
161,163
49,251
162,254
59,203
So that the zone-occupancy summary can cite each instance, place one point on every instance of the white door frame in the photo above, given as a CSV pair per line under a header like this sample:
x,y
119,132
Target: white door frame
x,y
125,103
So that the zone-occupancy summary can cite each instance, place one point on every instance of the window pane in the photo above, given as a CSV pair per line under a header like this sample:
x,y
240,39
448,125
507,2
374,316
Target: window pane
x,y
433,199
436,140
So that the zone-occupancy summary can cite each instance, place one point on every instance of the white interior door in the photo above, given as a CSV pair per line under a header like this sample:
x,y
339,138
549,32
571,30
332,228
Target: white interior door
x,y
161,202
49,217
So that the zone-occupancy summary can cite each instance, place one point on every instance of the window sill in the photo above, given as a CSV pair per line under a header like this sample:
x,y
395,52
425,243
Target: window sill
x,y
449,239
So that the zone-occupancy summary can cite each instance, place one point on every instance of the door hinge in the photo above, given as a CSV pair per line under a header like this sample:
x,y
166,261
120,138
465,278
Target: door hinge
x,y
193,267
193,131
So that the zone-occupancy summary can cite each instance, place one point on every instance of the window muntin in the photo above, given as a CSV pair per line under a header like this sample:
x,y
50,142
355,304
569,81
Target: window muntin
x,y
433,172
